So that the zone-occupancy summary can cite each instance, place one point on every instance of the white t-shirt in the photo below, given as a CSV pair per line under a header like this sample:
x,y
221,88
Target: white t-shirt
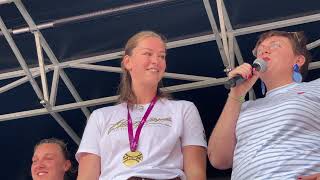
x,y
170,126
278,137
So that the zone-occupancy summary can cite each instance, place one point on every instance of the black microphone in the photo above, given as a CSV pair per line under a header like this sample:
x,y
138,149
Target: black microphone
x,y
259,64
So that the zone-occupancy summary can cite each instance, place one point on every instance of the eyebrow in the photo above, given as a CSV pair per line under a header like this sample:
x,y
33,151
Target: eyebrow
x,y
268,43
49,154
275,41
151,49
46,154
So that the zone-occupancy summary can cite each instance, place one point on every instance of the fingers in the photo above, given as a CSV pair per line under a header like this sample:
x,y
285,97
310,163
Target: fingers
x,y
251,76
245,70
310,177
253,79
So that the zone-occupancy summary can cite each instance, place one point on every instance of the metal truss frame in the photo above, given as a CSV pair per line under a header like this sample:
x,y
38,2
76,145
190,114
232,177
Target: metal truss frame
x,y
225,37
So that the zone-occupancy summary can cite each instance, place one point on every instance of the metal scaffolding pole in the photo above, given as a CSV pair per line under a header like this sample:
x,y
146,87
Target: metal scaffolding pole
x,y
5,1
229,30
215,30
118,70
41,67
54,86
51,55
235,45
106,100
107,57
33,82
277,24
18,82
20,59
84,17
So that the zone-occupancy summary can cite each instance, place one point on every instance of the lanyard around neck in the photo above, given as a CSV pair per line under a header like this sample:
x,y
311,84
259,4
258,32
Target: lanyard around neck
x,y
133,140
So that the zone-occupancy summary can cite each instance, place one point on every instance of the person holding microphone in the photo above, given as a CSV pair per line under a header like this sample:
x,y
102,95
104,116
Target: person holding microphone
x,y
278,136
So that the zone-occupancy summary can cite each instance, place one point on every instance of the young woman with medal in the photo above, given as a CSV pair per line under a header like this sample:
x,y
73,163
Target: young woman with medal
x,y
146,135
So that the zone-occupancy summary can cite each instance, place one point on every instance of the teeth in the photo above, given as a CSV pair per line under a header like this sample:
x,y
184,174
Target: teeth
x,y
41,173
154,70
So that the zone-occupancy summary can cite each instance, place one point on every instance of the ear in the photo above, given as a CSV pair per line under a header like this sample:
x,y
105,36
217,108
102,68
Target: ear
x,y
127,62
300,60
67,165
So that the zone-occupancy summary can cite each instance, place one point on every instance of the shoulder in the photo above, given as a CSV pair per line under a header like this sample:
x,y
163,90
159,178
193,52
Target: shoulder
x,y
311,86
110,109
315,83
256,103
107,112
180,107
177,103
103,116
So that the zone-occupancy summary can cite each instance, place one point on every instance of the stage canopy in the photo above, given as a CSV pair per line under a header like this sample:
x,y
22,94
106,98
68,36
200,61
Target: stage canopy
x,y
60,60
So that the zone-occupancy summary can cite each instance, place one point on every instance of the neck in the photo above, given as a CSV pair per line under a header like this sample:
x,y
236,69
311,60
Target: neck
x,y
272,84
144,94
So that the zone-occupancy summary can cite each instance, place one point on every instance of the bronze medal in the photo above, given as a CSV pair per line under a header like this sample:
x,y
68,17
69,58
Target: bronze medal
x,y
132,158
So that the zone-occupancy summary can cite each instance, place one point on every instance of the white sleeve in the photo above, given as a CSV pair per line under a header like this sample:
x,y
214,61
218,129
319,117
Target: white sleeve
x,y
193,131
91,136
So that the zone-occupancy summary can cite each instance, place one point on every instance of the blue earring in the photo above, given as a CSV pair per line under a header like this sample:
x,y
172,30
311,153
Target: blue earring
x,y
296,76
263,88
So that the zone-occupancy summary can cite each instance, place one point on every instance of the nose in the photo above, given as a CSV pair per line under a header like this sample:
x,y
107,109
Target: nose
x,y
155,59
38,164
266,50
263,51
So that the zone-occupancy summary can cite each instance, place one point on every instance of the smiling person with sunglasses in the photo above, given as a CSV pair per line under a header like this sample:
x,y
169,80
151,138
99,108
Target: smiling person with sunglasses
x,y
278,136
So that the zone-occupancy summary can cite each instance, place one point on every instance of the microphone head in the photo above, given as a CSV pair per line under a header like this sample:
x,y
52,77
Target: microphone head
x,y
260,65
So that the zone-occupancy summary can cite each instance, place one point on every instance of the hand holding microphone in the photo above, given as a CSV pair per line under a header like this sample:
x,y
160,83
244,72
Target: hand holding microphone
x,y
244,71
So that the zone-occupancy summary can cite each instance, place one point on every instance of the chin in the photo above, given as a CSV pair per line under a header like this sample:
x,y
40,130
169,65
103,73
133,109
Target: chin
x,y
152,81
46,177
42,178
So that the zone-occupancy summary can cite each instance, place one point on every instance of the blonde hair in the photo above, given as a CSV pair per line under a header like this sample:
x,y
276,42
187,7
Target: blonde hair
x,y
125,90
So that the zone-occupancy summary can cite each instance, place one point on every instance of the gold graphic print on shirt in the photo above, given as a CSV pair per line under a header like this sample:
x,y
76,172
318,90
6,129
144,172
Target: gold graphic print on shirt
x,y
122,124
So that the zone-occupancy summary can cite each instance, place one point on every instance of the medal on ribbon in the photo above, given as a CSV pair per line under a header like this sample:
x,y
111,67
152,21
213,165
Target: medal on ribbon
x,y
134,157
